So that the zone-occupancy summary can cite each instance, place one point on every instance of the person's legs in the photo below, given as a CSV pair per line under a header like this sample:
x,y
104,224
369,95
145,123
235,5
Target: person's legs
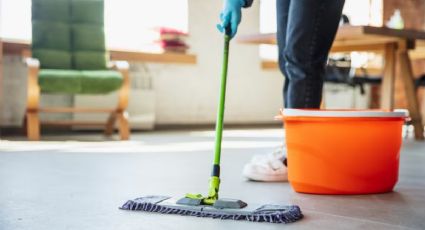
x,y
282,12
310,31
306,29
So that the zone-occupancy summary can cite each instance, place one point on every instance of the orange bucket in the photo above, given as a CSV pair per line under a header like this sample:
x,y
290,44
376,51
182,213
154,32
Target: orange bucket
x,y
343,151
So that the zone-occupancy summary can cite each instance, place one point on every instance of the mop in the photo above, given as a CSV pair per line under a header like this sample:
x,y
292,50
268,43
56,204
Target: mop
x,y
211,205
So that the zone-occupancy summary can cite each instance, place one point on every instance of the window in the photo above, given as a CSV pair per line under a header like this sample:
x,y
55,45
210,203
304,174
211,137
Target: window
x,y
15,19
268,25
360,12
129,24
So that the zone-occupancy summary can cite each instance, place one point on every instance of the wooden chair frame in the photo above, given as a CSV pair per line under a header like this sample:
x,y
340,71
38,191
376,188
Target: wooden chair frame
x,y
33,110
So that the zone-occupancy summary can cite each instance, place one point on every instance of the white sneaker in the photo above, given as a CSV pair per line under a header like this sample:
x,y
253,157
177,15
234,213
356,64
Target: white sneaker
x,y
268,168
277,154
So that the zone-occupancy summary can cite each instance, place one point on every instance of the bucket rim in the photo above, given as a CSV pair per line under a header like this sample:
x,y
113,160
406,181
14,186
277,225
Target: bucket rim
x,y
343,113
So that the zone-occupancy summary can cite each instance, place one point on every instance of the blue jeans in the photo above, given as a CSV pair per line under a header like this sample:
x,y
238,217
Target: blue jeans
x,y
305,32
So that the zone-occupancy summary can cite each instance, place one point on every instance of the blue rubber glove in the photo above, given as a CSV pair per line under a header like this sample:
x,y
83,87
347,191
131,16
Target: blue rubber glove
x,y
230,16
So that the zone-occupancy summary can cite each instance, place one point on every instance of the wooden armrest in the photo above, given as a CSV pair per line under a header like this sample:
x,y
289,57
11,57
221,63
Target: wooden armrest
x,y
32,62
119,65
123,67
33,89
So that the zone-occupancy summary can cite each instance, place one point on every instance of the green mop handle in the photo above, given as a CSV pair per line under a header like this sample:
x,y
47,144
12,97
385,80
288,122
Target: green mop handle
x,y
220,112
215,174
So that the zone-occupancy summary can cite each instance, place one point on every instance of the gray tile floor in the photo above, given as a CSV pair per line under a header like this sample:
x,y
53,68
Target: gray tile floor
x,y
80,184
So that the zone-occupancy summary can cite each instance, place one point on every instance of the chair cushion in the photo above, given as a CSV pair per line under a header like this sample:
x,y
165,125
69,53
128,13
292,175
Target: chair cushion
x,y
90,60
51,10
51,35
53,59
60,81
88,37
100,81
84,11
79,82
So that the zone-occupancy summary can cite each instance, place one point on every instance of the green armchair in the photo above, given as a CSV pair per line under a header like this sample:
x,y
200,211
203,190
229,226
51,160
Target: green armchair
x,y
69,57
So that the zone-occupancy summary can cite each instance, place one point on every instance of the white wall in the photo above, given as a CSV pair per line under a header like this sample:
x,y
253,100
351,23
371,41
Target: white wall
x,y
187,94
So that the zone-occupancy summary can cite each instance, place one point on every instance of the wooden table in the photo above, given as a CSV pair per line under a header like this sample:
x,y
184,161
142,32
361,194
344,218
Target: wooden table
x,y
1,74
395,45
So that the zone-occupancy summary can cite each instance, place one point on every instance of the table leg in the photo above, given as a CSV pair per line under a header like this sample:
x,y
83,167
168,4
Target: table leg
x,y
1,77
410,92
387,88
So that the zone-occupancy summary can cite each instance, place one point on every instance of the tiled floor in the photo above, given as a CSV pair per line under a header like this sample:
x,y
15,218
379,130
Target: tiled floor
x,y
80,184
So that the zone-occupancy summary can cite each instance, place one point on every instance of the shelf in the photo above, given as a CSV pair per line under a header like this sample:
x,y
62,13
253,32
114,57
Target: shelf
x,y
19,47
153,57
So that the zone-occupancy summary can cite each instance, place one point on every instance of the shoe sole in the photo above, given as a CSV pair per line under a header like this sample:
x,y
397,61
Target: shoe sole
x,y
268,178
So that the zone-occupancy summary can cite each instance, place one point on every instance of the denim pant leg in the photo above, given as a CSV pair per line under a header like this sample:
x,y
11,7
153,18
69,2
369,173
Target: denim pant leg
x,y
282,10
311,26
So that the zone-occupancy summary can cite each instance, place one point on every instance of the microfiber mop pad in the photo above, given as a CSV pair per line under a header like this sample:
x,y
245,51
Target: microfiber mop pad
x,y
256,213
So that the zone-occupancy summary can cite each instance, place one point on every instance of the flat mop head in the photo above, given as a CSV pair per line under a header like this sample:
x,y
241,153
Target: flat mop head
x,y
256,213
